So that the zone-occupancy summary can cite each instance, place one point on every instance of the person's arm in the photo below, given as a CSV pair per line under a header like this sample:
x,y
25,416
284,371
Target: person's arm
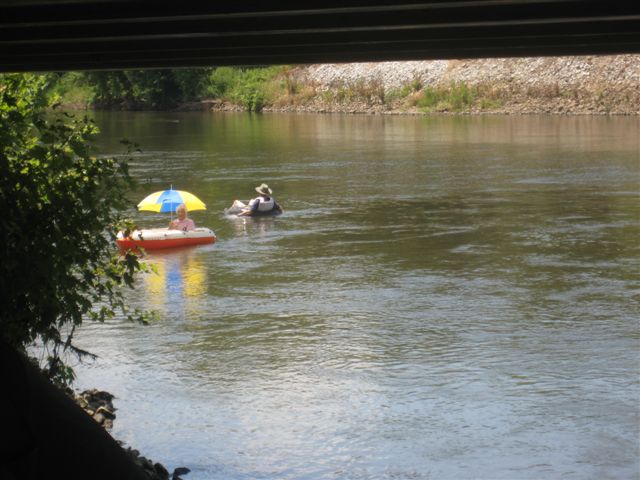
x,y
250,208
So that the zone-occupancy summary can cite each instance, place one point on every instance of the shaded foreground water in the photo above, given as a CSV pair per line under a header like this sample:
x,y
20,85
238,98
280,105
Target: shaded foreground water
x,y
443,298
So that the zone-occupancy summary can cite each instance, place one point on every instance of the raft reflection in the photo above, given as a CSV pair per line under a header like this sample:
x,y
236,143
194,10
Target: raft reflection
x,y
178,282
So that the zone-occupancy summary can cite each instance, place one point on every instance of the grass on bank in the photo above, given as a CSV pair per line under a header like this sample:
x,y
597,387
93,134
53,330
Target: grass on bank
x,y
255,88
457,97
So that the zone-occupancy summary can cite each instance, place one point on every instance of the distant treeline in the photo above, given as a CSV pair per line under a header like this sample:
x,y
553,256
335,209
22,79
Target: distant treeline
x,y
160,89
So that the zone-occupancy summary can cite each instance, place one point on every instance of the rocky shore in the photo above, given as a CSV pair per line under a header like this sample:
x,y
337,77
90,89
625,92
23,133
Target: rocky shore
x,y
99,406
581,85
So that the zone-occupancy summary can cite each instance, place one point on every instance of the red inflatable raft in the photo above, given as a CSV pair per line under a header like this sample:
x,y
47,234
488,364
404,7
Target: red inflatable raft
x,y
157,238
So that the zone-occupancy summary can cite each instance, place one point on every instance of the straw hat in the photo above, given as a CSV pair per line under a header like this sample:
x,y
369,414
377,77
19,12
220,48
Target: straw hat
x,y
264,189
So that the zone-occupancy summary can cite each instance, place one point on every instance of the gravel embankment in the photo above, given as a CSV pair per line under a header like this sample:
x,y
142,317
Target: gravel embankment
x,y
573,85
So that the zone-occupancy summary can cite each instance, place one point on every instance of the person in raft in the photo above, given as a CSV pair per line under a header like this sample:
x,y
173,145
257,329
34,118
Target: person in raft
x,y
264,204
182,222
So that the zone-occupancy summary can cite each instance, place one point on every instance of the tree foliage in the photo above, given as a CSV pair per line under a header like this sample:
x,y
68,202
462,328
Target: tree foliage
x,y
159,89
248,87
60,208
146,88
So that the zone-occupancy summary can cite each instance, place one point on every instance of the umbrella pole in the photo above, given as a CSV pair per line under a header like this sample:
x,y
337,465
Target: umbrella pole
x,y
171,207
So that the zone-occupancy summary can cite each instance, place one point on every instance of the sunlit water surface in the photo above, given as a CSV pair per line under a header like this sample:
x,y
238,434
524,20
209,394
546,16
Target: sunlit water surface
x,y
444,298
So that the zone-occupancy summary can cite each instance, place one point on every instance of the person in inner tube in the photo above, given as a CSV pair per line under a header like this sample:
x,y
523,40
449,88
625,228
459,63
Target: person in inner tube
x,y
263,204
182,222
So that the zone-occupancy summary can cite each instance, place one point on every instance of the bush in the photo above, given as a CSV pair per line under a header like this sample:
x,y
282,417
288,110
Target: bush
x,y
456,97
145,88
220,81
252,86
60,204
72,88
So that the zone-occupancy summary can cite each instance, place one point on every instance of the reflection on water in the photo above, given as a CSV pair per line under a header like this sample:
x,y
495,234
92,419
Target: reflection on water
x,y
177,280
251,226
444,297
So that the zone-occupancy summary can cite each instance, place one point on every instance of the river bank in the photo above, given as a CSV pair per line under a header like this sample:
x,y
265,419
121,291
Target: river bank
x,y
584,85
588,85
601,85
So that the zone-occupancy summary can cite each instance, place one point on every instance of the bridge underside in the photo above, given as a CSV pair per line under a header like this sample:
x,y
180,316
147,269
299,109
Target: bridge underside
x,y
120,34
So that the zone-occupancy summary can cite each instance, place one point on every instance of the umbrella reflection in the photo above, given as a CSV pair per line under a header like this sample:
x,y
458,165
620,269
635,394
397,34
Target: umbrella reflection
x,y
180,278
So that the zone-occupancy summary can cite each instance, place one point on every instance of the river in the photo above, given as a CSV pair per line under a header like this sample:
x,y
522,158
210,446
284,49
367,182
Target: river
x,y
445,297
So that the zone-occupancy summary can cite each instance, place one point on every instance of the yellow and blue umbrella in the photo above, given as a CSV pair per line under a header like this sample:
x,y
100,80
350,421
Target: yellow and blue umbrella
x,y
168,201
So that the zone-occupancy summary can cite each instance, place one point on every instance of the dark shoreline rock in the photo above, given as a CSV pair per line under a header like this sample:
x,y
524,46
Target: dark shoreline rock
x,y
44,430
98,405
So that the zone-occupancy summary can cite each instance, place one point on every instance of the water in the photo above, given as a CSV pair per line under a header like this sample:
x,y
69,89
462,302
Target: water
x,y
445,297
